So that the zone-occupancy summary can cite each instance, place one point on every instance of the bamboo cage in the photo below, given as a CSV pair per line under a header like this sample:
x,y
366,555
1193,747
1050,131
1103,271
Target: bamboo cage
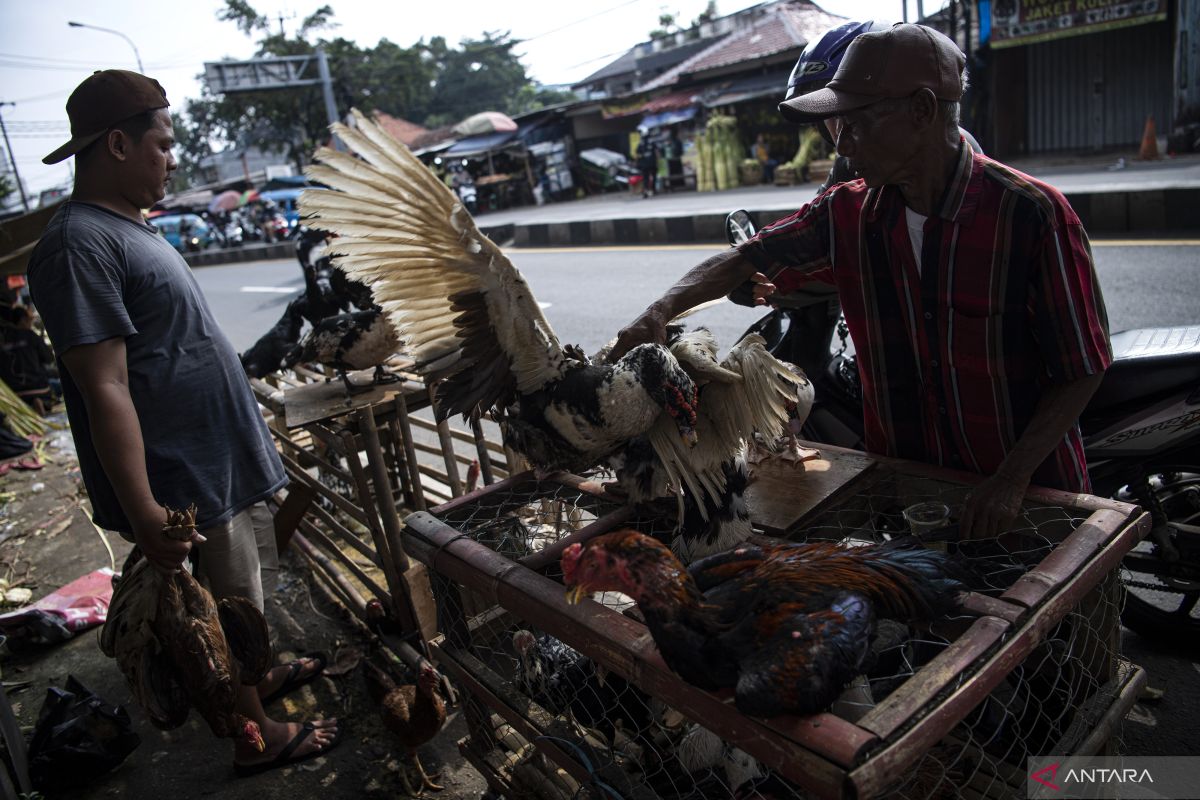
x,y
1027,667
356,466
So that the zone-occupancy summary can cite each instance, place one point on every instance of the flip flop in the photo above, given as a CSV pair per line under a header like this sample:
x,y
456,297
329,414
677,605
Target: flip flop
x,y
293,680
285,757
29,462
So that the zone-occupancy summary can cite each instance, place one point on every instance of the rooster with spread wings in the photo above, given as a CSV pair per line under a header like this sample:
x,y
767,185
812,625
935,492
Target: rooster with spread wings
x,y
470,321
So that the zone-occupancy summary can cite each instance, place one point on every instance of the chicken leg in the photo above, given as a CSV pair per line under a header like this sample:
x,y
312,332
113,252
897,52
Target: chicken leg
x,y
426,780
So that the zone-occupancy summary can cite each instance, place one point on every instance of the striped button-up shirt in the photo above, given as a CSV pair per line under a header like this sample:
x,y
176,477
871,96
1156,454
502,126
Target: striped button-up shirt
x,y
955,355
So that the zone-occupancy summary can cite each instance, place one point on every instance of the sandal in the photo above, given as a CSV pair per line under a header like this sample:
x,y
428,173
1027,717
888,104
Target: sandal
x,y
285,757
29,462
293,680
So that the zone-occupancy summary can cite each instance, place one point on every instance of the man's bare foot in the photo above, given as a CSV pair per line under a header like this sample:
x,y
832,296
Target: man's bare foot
x,y
277,736
309,667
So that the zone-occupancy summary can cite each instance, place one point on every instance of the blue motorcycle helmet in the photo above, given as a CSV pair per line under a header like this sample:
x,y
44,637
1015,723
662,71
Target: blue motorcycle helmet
x,y
820,61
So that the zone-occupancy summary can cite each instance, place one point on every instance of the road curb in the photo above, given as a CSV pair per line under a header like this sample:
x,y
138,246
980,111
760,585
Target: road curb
x,y
233,255
1162,211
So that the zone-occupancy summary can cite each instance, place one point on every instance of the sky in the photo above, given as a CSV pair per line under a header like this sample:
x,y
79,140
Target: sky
x,y
42,59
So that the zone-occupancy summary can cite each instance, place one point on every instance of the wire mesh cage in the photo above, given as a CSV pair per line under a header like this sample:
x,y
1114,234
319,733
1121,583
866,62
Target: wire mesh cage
x,y
576,702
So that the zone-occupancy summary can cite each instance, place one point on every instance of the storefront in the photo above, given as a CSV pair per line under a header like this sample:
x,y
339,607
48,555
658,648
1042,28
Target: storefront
x,y
1080,76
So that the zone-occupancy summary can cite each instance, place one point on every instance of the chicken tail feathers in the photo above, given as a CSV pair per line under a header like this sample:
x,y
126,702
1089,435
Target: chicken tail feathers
x,y
249,641
929,581
379,683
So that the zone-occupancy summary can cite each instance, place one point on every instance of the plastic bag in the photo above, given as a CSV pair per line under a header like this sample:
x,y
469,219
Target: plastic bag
x,y
81,604
78,737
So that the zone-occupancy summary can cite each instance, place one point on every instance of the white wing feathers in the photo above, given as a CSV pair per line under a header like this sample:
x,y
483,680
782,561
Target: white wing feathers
x,y
443,284
729,413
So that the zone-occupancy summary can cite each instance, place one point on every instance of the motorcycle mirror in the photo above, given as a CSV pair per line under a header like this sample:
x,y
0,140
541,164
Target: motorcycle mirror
x,y
739,227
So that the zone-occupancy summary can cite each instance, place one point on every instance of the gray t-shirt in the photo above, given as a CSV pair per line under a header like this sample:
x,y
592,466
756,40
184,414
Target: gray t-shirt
x,y
95,275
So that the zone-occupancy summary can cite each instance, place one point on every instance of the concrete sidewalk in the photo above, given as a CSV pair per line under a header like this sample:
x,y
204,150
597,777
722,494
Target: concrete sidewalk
x,y
1141,197
1160,197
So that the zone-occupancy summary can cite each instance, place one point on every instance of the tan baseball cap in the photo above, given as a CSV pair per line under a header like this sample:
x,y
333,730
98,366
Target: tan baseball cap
x,y
106,98
891,63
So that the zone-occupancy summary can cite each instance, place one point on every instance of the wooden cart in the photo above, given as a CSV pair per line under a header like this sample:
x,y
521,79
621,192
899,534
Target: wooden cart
x,y
1029,667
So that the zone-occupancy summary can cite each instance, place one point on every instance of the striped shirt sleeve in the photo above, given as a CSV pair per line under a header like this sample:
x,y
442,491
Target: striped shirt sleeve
x,y
1070,320
790,250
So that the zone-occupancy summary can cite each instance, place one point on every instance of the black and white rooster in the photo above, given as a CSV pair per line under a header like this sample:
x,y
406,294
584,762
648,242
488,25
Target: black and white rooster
x,y
464,311
345,342
267,354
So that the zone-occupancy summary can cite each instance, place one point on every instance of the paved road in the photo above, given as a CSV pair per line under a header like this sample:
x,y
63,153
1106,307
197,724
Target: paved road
x,y
592,292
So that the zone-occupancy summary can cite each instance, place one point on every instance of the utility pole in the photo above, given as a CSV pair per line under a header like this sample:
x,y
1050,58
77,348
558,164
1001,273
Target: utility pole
x,y
327,93
12,159
136,54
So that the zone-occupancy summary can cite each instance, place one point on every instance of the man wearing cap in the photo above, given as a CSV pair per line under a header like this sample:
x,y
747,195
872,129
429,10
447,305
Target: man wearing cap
x,y
967,286
160,409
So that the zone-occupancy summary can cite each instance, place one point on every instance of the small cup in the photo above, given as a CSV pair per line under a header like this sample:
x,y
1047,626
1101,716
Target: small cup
x,y
924,518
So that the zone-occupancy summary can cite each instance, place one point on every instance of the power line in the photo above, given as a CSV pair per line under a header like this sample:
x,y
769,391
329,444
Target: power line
x,y
578,21
22,57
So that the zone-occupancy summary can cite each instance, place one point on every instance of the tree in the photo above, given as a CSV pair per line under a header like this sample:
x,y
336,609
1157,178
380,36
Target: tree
x,y
387,76
533,96
429,83
190,149
7,186
483,75
707,15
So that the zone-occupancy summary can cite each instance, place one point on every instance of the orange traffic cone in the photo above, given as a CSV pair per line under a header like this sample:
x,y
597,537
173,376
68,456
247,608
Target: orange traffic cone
x,y
1149,149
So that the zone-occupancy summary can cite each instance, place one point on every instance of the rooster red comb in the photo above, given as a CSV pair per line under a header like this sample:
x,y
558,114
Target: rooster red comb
x,y
625,541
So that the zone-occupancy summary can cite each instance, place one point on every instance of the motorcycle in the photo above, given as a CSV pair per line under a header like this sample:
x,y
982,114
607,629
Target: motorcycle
x,y
1141,433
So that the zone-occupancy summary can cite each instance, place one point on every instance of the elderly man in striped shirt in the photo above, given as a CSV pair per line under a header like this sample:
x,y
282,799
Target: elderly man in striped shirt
x,y
968,287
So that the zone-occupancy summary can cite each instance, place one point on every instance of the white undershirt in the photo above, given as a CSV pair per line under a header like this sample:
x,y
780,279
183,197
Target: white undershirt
x,y
916,233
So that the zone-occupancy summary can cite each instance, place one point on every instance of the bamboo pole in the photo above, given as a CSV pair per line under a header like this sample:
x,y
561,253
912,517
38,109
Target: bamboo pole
x,y
332,575
387,510
443,431
315,533
481,448
410,455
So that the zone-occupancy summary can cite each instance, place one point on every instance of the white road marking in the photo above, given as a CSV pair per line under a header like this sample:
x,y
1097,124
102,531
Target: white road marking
x,y
271,289
544,306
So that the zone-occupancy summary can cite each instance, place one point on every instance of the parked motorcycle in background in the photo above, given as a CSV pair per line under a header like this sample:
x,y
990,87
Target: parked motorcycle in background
x,y
1141,434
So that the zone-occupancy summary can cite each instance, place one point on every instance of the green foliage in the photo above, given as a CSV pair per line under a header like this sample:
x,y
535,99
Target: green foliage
x,y
482,75
430,83
7,186
531,97
707,15
189,150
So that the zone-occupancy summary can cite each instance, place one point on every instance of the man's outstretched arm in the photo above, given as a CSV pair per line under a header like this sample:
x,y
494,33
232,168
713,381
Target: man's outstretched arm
x,y
712,278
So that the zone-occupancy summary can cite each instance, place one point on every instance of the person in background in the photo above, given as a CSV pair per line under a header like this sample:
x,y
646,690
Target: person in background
x,y
968,287
760,151
647,164
159,406
674,148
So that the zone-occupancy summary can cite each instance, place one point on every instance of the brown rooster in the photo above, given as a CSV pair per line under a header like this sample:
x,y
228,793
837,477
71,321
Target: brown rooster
x,y
787,627
178,649
414,713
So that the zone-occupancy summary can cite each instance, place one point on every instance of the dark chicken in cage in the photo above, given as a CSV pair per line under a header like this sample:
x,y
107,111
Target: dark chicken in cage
x,y
788,626
468,318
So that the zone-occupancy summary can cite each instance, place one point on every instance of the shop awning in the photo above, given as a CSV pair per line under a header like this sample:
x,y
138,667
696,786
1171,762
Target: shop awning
x,y
665,118
479,145
743,89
